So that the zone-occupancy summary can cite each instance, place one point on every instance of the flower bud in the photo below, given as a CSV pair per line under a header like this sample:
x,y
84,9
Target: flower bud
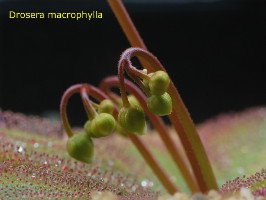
x,y
102,125
87,127
145,81
133,101
132,119
160,105
80,147
106,106
159,82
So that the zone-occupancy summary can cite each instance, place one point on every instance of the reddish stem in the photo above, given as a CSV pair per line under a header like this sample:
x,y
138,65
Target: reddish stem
x,y
141,146
138,82
91,112
184,125
126,23
122,88
182,122
63,107
157,122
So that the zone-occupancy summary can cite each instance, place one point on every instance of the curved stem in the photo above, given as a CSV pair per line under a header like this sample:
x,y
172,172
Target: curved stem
x,y
63,107
94,105
138,82
142,148
183,124
122,85
157,122
125,65
87,103
200,163
138,72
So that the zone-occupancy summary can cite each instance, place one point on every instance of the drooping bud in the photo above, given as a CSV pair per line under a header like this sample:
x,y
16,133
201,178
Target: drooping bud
x,y
159,83
106,106
160,105
87,127
132,100
146,82
81,147
102,125
132,119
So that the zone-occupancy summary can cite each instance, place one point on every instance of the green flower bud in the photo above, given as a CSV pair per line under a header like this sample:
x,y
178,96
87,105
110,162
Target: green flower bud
x,y
132,119
106,106
102,125
133,101
87,127
160,105
159,83
146,82
119,102
80,147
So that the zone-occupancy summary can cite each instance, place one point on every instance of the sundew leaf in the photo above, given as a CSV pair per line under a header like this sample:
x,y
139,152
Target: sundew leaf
x,y
235,143
34,164
256,183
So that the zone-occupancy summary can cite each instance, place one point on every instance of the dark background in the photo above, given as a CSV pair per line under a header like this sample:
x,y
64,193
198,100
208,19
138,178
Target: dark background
x,y
213,50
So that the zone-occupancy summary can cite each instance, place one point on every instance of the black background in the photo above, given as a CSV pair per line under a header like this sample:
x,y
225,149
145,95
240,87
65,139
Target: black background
x,y
213,51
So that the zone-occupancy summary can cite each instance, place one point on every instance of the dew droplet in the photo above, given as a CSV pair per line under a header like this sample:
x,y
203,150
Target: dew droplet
x,y
20,149
151,184
36,145
144,183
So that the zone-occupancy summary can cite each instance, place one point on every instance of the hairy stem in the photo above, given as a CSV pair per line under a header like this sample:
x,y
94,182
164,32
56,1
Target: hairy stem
x,y
91,112
142,148
138,82
126,23
122,86
183,124
63,107
153,163
157,122
127,26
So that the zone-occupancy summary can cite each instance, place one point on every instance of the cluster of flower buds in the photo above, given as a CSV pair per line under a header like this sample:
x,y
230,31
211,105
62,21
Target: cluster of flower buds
x,y
159,102
103,123
80,146
131,117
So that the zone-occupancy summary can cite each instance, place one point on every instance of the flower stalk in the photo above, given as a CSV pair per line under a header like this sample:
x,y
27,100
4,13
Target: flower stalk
x,y
182,122
84,90
158,124
180,117
63,107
